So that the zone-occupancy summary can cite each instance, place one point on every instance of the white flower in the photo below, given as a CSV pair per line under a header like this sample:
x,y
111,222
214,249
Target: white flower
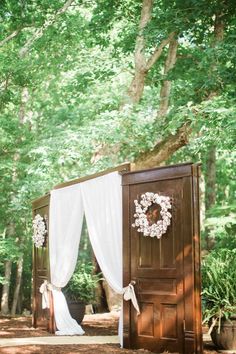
x,y
160,227
40,231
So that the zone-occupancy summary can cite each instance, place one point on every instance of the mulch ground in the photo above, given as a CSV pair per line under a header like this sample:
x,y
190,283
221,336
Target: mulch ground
x,y
94,325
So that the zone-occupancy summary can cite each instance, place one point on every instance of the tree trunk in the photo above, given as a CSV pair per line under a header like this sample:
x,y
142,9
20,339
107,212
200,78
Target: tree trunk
x,y
19,265
164,149
218,29
20,301
6,288
166,85
210,193
101,304
136,88
143,64
19,271
135,91
211,178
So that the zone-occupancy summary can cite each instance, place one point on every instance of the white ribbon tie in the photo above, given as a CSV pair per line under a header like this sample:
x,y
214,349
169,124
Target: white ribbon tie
x,y
129,294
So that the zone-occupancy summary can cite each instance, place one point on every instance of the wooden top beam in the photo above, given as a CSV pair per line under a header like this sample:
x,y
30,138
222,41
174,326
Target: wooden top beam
x,y
125,167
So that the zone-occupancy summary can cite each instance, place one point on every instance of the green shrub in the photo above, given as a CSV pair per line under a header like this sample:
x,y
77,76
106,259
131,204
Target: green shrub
x,y
219,285
83,283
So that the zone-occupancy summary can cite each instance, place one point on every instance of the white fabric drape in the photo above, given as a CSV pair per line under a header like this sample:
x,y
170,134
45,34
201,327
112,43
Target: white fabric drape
x,y
65,324
66,218
102,199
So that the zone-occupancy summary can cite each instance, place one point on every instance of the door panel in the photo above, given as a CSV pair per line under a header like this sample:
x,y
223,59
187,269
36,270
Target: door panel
x,y
41,317
163,269
161,261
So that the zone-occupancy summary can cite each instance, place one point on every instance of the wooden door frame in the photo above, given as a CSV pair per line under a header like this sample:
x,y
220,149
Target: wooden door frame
x,y
190,173
41,202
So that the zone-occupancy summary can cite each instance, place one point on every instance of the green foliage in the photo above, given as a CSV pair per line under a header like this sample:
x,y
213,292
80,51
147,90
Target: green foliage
x,y
219,287
8,249
60,102
83,283
85,248
226,236
221,226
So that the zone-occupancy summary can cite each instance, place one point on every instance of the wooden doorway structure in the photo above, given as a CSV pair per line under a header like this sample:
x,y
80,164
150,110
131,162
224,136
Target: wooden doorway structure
x,y
41,271
167,270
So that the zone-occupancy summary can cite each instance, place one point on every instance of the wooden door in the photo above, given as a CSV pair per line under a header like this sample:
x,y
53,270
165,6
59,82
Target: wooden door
x,y
166,270
41,317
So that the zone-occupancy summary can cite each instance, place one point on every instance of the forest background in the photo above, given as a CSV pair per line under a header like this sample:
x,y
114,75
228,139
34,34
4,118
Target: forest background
x,y
86,85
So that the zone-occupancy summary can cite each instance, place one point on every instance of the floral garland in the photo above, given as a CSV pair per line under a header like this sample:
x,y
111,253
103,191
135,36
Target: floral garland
x,y
40,231
141,220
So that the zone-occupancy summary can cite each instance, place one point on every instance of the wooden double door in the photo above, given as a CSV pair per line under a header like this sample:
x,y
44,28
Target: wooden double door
x,y
167,270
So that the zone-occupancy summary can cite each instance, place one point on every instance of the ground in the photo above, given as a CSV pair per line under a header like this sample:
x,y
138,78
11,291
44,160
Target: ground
x,y
99,324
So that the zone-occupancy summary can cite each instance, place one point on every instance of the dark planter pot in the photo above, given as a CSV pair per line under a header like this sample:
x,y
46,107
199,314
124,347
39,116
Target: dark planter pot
x,y
226,339
77,310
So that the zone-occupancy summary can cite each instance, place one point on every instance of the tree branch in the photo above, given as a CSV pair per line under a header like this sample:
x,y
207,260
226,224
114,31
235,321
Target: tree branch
x,y
139,55
142,65
166,84
158,51
145,17
135,90
39,32
10,37
163,149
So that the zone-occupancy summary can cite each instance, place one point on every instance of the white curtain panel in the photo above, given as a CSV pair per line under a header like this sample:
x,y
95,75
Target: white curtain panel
x,y
66,219
102,199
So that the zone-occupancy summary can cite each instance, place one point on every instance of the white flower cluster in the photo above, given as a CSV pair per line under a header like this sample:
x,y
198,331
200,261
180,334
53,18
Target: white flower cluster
x,y
141,222
40,231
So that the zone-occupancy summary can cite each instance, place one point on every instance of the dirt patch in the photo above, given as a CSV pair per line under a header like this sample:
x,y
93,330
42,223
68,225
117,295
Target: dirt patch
x,y
74,349
20,327
70,349
94,325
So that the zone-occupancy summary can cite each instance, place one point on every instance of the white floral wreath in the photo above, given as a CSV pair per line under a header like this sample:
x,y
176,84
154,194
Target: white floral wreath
x,y
141,221
40,231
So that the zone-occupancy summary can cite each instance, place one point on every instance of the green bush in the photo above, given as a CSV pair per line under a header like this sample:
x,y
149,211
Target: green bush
x,y
219,285
83,283
226,239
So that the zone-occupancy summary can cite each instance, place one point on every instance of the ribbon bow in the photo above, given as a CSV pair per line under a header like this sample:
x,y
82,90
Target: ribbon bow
x,y
129,294
44,288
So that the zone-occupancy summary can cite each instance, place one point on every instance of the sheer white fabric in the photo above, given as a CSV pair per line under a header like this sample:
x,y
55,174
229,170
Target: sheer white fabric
x,y
102,199
66,218
66,325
